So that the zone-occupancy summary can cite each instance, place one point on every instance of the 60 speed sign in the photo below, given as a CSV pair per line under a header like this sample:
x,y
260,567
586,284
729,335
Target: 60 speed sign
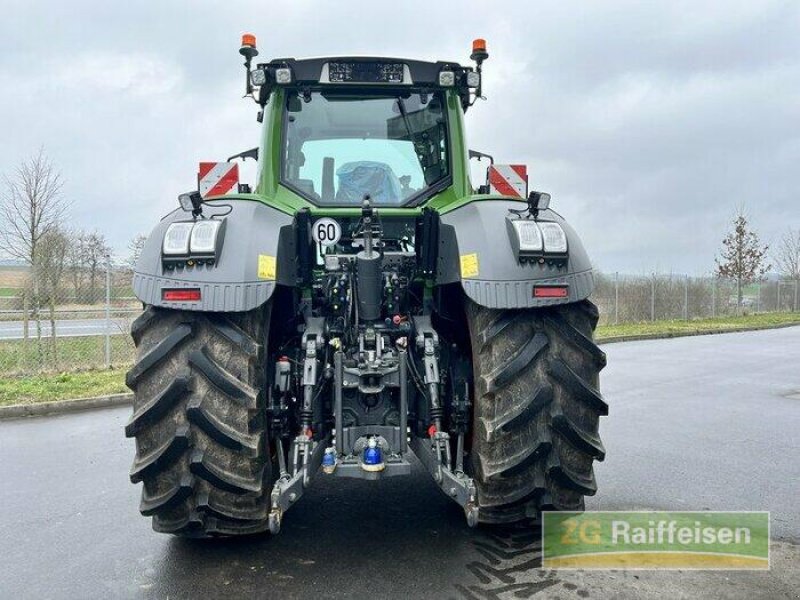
x,y
326,231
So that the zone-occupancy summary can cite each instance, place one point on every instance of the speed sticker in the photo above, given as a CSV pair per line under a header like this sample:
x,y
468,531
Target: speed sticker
x,y
326,231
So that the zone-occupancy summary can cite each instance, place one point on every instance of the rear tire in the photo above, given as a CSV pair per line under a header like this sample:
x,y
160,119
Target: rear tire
x,y
537,409
199,399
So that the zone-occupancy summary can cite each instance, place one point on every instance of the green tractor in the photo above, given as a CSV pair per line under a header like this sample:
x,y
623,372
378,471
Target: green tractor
x,y
363,301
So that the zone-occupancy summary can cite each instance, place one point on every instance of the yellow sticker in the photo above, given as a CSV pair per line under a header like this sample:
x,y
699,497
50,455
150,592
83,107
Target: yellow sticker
x,y
266,267
469,265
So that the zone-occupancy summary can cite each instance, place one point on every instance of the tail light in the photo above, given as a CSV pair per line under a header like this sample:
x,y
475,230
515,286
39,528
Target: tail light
x,y
550,291
181,295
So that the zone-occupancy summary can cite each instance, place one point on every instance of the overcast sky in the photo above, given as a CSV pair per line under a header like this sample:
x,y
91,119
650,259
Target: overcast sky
x,y
648,122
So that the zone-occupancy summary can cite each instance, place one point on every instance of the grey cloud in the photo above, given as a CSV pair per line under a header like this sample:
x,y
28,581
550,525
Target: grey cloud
x,y
649,122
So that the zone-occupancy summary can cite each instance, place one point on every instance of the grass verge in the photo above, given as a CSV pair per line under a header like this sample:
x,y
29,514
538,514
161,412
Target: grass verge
x,y
680,327
64,386
85,384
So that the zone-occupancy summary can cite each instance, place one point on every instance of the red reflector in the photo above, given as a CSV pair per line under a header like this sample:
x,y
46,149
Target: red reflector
x,y
550,291
181,295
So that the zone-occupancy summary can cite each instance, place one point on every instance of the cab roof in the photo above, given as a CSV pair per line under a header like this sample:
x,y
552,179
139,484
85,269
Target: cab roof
x,y
316,70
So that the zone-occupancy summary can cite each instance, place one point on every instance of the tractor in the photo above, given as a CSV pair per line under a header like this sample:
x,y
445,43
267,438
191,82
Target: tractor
x,y
361,302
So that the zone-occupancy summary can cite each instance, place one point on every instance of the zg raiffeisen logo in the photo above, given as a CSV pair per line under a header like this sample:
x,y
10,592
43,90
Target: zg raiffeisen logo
x,y
655,540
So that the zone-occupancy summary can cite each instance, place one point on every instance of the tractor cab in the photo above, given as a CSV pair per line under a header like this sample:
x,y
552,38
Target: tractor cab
x,y
338,129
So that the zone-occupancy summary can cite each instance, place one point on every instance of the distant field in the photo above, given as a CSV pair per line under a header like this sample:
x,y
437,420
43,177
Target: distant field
x,y
13,277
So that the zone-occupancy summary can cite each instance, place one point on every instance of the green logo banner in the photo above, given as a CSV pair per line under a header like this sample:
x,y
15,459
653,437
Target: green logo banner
x,y
655,540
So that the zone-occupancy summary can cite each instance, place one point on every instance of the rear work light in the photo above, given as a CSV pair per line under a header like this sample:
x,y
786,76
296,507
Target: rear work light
x,y
176,239
181,295
550,291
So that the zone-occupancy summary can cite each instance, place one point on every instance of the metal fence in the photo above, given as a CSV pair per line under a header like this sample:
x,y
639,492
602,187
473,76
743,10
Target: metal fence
x,y
641,298
75,321
81,319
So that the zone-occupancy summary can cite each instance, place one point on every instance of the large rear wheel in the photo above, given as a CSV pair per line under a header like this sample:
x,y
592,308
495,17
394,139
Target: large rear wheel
x,y
537,409
201,447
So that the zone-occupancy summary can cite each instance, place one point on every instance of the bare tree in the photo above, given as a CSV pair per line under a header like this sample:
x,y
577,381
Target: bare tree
x,y
49,270
135,247
75,258
787,255
31,206
742,257
96,252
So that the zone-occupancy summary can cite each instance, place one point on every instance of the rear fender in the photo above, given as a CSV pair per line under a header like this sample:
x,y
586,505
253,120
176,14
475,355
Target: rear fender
x,y
256,254
476,250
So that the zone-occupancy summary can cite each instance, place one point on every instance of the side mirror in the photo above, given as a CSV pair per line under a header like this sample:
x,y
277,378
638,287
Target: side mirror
x,y
482,189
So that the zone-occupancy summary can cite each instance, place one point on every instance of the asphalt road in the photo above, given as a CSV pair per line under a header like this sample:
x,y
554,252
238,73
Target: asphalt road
x,y
15,330
696,423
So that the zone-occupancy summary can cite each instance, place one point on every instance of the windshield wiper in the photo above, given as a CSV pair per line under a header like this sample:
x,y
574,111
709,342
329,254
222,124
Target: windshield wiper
x,y
401,106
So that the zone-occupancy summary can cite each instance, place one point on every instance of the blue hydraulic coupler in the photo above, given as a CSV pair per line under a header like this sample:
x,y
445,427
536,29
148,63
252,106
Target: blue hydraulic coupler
x,y
373,457
329,461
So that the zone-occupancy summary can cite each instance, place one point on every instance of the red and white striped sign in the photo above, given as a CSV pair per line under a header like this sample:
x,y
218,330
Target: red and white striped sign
x,y
509,180
217,178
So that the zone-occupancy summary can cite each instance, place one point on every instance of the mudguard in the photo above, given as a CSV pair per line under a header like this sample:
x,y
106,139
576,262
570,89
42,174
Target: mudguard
x,y
476,249
246,271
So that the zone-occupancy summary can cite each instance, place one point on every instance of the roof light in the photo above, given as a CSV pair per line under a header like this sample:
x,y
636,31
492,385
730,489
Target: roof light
x,y
249,40
181,295
176,239
447,78
473,79
283,75
258,76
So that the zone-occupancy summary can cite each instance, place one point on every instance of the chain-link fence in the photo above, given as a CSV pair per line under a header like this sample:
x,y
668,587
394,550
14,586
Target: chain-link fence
x,y
69,321
632,298
81,319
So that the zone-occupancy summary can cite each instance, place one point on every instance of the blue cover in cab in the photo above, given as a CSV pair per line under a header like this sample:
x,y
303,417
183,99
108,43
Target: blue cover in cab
x,y
368,177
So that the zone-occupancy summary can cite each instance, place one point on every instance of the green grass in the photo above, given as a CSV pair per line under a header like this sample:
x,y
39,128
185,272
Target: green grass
x,y
82,353
64,386
680,327
18,357
7,292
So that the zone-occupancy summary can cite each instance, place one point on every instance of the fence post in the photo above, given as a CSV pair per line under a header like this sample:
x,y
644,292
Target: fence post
x,y
653,298
686,298
25,316
108,311
778,296
758,298
713,297
794,306
616,297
